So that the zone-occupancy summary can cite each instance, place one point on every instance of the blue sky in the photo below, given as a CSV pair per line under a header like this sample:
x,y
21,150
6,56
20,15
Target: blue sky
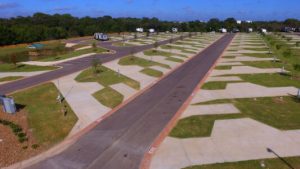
x,y
178,10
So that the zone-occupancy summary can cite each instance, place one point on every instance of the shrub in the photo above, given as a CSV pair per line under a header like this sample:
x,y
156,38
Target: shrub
x,y
22,139
298,43
289,38
35,146
287,53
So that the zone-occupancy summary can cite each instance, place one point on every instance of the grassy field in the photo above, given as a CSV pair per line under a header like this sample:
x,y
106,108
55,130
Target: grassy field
x,y
5,67
198,126
284,52
152,72
160,53
10,78
273,163
106,77
74,54
225,67
264,64
132,60
182,49
109,97
259,55
271,80
175,59
48,123
216,85
279,113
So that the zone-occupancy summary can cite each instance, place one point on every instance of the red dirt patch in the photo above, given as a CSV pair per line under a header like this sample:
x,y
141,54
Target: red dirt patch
x,y
11,150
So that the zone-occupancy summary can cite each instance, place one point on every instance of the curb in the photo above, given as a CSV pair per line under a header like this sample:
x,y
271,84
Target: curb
x,y
145,164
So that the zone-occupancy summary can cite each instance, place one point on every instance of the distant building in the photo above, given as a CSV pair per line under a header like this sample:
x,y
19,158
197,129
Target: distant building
x,y
36,46
151,30
101,36
139,30
250,29
239,22
223,30
248,21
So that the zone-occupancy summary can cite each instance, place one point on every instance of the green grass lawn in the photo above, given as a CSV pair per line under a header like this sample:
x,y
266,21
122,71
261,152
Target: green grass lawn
x,y
274,111
229,57
160,53
10,78
271,80
182,49
74,54
6,67
44,115
216,85
106,77
109,97
225,67
264,64
198,126
259,55
132,60
273,163
152,72
175,59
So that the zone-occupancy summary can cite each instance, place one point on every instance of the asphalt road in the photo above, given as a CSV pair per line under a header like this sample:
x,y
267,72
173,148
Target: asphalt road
x,y
70,67
121,140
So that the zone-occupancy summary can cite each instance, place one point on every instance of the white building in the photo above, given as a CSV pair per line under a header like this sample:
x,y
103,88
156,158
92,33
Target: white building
x,y
239,22
151,30
139,29
250,29
223,30
248,21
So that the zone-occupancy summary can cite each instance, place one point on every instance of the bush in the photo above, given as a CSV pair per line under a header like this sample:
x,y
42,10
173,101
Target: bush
x,y
298,43
35,146
278,46
289,38
287,53
22,139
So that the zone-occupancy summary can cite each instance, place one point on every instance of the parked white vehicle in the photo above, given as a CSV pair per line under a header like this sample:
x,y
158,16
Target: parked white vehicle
x,y
174,30
101,36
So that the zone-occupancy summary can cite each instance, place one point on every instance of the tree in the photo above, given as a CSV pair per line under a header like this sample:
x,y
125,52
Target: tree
x,y
94,46
95,64
13,59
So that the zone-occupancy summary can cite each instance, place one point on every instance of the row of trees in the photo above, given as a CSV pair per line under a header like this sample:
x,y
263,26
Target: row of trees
x,y
42,26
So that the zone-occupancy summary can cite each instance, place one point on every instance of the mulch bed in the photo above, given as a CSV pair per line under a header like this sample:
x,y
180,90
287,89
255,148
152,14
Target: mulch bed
x,y
11,150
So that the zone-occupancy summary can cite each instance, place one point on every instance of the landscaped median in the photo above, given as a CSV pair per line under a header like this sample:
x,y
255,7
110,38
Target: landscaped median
x,y
41,118
106,77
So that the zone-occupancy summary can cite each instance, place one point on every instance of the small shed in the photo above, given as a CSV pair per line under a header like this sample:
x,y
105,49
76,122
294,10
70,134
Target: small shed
x,y
101,36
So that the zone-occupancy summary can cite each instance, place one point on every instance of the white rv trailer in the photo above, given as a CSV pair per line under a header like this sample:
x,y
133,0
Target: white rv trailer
x,y
101,36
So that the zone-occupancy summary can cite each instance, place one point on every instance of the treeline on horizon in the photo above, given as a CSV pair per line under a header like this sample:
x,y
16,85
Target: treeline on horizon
x,y
40,26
